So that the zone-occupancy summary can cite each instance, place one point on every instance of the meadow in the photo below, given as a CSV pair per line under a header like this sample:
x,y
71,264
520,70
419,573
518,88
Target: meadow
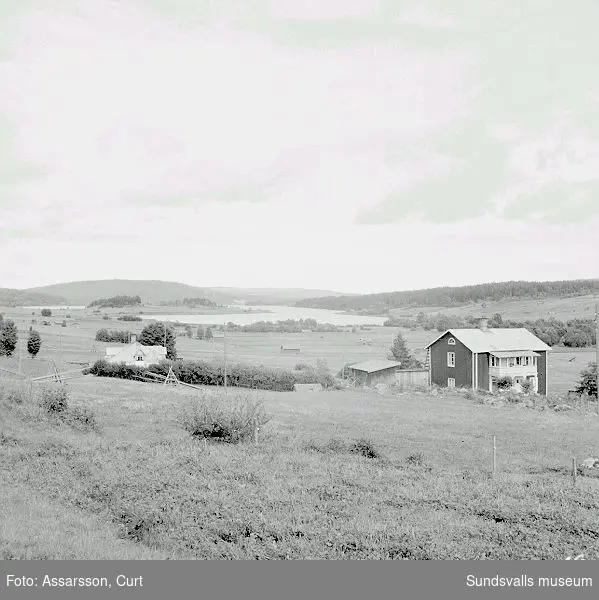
x,y
333,475
67,346
348,474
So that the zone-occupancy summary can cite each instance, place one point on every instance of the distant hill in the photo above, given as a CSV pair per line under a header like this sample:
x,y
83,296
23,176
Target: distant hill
x,y
11,297
84,292
449,297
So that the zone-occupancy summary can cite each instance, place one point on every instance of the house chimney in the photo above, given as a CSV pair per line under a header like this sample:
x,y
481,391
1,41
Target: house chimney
x,y
483,324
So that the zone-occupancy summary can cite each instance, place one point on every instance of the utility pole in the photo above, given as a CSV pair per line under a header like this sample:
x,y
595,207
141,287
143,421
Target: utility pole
x,y
597,352
225,352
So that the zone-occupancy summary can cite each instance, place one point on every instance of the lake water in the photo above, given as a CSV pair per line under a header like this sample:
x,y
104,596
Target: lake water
x,y
275,313
56,307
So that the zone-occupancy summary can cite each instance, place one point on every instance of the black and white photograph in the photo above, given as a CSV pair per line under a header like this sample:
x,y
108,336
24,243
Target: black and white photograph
x,y
298,280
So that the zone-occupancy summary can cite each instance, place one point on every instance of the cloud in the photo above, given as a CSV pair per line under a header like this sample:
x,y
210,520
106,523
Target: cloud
x,y
116,104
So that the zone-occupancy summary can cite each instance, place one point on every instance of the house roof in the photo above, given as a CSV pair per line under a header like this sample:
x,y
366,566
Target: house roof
x,y
491,340
126,353
371,366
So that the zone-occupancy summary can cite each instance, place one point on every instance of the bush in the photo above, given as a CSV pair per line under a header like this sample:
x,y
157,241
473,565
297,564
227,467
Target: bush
x,y
80,417
588,380
129,318
205,373
365,448
504,383
416,458
13,393
46,312
55,399
526,386
231,421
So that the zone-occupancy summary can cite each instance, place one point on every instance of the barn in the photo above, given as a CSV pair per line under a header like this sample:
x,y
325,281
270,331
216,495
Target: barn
x,y
372,372
479,358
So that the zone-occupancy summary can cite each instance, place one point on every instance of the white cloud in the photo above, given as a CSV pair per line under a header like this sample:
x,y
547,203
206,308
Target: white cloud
x,y
323,9
427,17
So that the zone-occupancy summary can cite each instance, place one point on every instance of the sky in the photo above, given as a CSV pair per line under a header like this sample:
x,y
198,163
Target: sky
x,y
348,145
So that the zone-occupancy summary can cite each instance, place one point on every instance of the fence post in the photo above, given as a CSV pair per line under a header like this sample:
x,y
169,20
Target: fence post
x,y
494,456
574,470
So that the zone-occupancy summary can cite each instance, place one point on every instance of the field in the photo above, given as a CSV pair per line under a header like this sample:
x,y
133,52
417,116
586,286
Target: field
x,y
563,309
139,486
75,344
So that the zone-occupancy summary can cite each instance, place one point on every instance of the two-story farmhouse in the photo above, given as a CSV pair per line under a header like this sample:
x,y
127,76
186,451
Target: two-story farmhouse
x,y
478,358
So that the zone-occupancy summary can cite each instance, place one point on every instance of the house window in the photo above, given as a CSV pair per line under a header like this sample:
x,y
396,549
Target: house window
x,y
511,362
451,359
138,357
518,361
451,382
451,341
526,361
494,361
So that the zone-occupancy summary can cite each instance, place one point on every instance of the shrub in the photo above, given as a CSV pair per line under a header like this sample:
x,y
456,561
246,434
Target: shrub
x,y
236,420
129,318
504,383
34,343
46,312
303,366
102,368
365,448
588,380
13,393
80,417
55,399
416,458
9,337
527,386
106,317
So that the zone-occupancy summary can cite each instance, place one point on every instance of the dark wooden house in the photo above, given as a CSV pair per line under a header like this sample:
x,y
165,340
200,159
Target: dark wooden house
x,y
479,358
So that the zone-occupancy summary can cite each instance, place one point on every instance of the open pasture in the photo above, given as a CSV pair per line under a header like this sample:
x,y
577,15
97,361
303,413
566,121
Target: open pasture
x,y
75,344
139,486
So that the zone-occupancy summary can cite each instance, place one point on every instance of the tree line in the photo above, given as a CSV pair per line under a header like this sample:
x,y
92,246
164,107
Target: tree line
x,y
191,302
115,302
574,333
456,296
285,326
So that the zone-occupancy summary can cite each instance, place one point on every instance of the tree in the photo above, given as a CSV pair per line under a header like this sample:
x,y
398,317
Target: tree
x,y
576,338
34,343
9,336
46,312
399,352
188,331
588,380
154,334
208,334
200,333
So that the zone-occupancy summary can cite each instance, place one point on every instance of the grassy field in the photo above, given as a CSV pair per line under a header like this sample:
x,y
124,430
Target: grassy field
x,y
137,485
563,309
75,344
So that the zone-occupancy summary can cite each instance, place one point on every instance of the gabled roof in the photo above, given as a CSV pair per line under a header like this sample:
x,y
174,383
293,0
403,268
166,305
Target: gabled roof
x,y
371,366
478,340
127,353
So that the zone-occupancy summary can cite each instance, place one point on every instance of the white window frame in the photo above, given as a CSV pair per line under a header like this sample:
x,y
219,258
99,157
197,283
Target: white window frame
x,y
451,382
451,341
519,361
451,359
527,361
511,361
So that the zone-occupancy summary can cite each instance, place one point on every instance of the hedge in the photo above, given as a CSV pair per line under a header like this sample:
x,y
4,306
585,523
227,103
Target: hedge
x,y
205,373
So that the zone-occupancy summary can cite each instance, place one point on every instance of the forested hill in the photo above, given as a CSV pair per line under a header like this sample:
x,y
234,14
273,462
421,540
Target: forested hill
x,y
456,296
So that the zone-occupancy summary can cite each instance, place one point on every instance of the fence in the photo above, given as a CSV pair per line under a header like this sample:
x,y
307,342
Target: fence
x,y
410,378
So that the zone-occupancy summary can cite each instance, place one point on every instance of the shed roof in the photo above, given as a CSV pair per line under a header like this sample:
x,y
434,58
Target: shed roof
x,y
371,366
489,340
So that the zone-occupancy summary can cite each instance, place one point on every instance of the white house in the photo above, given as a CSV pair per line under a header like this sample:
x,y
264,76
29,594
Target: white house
x,y
136,354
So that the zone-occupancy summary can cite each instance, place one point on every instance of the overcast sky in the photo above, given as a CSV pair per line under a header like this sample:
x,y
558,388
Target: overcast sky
x,y
351,145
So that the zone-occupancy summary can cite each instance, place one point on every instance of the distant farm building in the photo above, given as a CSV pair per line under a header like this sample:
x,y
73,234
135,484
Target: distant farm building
x,y
136,354
372,372
290,349
480,358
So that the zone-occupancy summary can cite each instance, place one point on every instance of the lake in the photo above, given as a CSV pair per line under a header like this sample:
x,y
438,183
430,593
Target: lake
x,y
271,314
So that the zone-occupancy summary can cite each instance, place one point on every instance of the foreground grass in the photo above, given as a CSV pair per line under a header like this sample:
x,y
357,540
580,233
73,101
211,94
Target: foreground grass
x,y
138,485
